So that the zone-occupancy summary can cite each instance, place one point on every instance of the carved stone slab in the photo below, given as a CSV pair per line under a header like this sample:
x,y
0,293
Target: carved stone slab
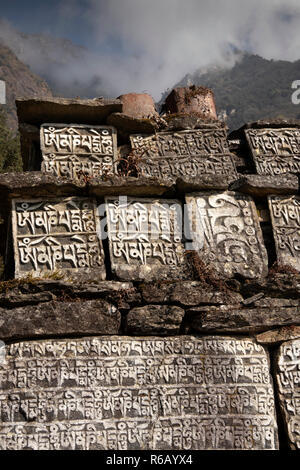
x,y
275,151
145,238
129,393
184,154
226,233
285,216
288,380
57,234
72,150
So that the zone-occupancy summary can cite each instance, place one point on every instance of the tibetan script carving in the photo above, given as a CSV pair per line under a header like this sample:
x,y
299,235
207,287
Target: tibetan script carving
x,y
288,379
275,151
51,235
225,231
285,216
184,154
75,150
145,238
121,393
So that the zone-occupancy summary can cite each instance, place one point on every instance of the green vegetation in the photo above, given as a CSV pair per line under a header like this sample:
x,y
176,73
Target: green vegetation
x,y
10,152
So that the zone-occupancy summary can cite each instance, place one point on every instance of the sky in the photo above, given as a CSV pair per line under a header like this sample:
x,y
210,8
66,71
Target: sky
x,y
149,45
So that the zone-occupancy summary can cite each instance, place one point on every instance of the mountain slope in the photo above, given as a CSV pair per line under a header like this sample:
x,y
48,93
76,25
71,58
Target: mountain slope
x,y
20,82
254,88
69,69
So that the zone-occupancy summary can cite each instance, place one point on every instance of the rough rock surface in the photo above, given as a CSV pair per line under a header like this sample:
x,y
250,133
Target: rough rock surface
x,y
91,317
138,105
263,185
128,393
287,375
187,294
186,121
230,319
280,335
154,320
69,110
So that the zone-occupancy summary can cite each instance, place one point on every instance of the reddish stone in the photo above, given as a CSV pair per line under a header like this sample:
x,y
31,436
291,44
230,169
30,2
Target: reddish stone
x,y
138,105
192,99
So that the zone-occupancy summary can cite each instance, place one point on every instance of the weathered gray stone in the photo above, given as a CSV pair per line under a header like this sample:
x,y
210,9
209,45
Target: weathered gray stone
x,y
230,319
129,393
131,186
145,239
57,235
187,294
280,335
76,150
33,291
154,320
278,285
91,317
138,105
265,185
35,112
184,154
275,151
38,184
11,299
287,375
190,184
184,121
225,231
285,217
95,111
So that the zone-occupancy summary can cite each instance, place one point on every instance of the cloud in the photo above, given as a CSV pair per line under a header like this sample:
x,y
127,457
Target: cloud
x,y
143,45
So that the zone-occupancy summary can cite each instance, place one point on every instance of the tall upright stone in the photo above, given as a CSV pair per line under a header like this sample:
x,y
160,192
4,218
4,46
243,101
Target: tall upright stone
x,y
226,233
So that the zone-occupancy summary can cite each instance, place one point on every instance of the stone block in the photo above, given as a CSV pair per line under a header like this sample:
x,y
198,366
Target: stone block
x,y
225,231
57,235
74,151
34,112
279,335
154,320
59,319
285,217
130,393
185,154
186,293
232,319
287,375
145,238
275,151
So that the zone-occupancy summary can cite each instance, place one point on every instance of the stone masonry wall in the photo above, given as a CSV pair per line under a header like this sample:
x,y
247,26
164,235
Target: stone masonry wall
x,y
151,291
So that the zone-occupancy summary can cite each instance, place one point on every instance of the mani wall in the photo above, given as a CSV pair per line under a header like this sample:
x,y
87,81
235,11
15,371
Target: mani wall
x,y
150,297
